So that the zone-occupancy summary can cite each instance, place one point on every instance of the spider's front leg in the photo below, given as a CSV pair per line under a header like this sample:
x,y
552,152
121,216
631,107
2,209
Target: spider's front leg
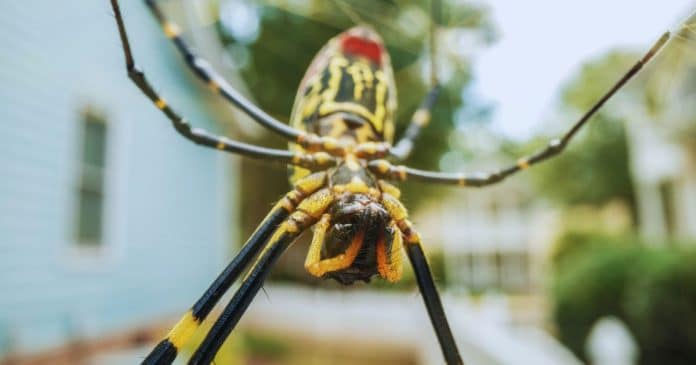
x,y
384,169
307,213
166,351
204,71
200,136
424,277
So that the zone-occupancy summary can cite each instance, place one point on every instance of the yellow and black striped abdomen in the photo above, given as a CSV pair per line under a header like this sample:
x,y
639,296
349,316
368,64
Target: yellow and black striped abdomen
x,y
348,91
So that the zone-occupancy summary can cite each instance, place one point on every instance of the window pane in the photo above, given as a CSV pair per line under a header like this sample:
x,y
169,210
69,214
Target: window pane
x,y
94,144
515,272
90,215
91,189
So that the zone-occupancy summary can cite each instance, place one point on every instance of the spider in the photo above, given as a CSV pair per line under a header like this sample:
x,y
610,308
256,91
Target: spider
x,y
341,136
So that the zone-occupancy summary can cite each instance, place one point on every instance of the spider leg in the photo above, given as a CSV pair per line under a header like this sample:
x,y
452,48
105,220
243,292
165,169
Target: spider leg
x,y
165,352
242,298
217,83
424,278
389,257
317,266
432,302
402,149
200,136
420,119
385,169
307,213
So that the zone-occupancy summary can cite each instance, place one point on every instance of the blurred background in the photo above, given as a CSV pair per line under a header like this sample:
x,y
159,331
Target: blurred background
x,y
112,225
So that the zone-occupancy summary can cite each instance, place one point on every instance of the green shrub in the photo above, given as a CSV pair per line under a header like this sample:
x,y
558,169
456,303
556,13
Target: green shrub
x,y
590,284
661,307
574,243
652,290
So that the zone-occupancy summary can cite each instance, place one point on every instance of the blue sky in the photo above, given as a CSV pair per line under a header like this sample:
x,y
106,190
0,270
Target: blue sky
x,y
543,43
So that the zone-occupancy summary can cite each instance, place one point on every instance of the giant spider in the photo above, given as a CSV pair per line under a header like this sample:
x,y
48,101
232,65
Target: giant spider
x,y
342,134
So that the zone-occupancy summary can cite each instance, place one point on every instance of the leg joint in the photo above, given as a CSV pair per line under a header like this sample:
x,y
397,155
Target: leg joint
x,y
556,145
135,73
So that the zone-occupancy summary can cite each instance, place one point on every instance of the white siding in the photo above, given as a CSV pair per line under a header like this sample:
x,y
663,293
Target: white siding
x,y
167,200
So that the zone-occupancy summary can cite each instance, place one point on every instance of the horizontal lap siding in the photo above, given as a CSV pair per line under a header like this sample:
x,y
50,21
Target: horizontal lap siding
x,y
162,193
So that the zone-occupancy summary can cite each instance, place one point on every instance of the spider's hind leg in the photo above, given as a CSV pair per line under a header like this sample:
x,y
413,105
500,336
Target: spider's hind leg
x,y
431,297
424,277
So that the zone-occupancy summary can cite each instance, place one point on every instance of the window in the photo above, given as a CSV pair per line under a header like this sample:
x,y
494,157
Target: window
x,y
514,271
90,205
507,271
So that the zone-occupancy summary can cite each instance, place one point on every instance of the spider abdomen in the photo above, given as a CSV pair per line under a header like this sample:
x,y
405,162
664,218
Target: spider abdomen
x,y
347,93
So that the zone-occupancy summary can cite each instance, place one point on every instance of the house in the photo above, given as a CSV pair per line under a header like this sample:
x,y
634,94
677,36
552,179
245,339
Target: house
x,y
661,142
108,218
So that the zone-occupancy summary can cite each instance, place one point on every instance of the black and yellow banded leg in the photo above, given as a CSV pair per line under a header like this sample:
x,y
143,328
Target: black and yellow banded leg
x,y
419,120
165,352
389,263
202,137
424,278
314,263
217,83
307,213
384,169
421,117
432,302
242,298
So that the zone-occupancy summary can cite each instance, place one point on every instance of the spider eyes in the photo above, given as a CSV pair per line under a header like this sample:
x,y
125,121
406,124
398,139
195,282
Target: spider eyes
x,y
343,231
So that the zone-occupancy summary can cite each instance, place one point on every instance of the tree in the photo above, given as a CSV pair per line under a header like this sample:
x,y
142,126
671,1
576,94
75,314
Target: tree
x,y
595,167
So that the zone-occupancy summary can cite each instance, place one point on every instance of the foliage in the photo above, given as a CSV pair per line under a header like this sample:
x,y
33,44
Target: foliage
x,y
661,308
595,168
588,284
573,244
652,290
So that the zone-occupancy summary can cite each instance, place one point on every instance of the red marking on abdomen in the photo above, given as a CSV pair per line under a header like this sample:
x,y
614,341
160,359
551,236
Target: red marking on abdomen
x,y
358,46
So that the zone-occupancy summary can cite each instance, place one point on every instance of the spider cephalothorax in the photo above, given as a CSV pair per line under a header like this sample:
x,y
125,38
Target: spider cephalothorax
x,y
358,225
355,238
